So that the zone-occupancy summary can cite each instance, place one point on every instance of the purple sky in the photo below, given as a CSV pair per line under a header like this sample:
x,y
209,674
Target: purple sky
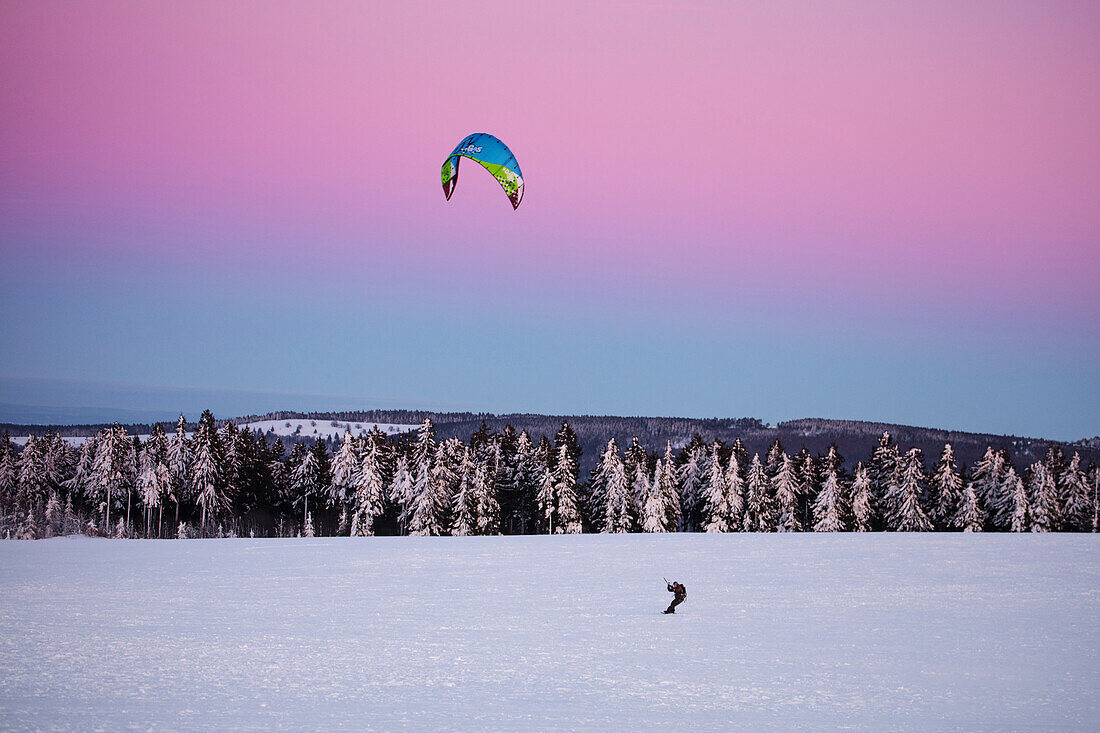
x,y
860,210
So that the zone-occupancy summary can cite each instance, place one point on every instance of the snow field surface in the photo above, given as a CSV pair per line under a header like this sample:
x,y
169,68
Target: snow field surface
x,y
786,632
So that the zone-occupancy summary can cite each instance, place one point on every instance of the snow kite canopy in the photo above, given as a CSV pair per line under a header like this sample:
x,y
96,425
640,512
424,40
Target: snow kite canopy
x,y
494,156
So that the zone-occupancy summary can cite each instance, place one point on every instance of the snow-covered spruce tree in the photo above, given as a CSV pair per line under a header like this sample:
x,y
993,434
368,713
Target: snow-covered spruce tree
x,y
59,461
31,473
402,493
596,503
207,482
618,513
636,464
345,465
1020,517
884,472
69,523
969,516
80,482
432,495
758,504
904,504
717,516
988,479
157,451
785,489
484,495
522,511
692,483
306,479
1076,498
545,498
735,486
28,530
179,462
308,530
121,533
463,519
369,491
148,486
656,515
8,482
828,504
53,515
1043,498
945,490
567,510
863,502
808,484
115,469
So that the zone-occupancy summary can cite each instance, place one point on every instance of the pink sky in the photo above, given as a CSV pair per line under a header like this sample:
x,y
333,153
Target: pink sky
x,y
910,157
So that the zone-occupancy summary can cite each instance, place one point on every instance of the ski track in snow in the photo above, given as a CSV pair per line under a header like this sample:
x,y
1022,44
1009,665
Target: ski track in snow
x,y
790,632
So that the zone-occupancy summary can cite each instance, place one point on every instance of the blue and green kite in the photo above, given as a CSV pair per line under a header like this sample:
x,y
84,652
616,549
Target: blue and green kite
x,y
494,156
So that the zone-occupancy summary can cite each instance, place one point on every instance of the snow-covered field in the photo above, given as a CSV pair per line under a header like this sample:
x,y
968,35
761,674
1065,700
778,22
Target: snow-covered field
x,y
782,632
319,428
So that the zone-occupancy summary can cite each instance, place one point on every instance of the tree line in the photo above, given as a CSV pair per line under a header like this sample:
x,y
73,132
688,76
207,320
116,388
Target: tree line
x,y
232,481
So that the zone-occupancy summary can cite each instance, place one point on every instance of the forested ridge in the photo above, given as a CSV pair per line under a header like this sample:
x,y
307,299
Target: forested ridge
x,y
215,478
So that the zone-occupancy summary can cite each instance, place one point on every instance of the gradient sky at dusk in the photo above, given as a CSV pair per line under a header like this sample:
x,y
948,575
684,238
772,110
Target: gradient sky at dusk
x,y
885,211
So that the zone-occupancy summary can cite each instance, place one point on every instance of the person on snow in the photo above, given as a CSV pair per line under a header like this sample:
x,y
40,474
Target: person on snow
x,y
679,594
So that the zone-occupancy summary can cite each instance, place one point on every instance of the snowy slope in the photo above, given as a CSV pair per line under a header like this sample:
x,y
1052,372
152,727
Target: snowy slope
x,y
785,632
324,428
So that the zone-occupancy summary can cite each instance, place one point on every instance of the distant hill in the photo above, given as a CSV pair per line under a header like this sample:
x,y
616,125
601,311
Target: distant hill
x,y
855,439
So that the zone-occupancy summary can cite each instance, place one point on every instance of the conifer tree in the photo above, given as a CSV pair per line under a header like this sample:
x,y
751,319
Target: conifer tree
x,y
969,517
306,479
8,476
988,478
308,531
785,489
179,462
462,507
758,504
1076,498
735,487
115,469
369,491
808,486
718,515
1043,496
402,493
207,481
657,512
612,500
31,472
636,465
69,523
1020,520
945,490
884,473
863,507
565,491
53,515
522,507
904,504
484,494
828,505
596,504
345,465
774,459
692,481
432,493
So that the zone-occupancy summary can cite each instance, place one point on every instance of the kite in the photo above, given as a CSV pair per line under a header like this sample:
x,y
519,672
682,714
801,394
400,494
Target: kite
x,y
494,156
